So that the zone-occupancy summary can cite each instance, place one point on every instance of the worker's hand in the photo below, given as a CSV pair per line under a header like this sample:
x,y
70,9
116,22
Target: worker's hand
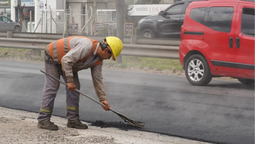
x,y
106,105
71,86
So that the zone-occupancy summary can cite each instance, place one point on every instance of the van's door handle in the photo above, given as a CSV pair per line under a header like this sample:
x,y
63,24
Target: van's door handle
x,y
230,41
237,42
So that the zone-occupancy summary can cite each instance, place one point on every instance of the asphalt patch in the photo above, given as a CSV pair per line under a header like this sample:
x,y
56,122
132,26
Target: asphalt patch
x,y
119,125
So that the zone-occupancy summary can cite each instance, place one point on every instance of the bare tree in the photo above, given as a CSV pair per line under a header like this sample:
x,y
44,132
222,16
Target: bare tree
x,y
20,9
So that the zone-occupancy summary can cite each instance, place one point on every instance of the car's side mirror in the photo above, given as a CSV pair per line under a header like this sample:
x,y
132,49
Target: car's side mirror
x,y
167,16
162,13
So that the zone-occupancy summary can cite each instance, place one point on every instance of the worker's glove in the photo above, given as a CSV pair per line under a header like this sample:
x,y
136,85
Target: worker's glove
x,y
106,105
71,86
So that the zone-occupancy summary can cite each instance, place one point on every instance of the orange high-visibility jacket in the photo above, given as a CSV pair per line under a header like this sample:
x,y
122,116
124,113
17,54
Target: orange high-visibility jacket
x,y
59,48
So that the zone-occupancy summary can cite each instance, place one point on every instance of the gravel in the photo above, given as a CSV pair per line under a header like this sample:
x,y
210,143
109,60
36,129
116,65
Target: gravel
x,y
20,127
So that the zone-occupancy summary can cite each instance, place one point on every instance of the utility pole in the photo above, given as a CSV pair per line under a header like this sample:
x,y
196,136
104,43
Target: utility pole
x,y
13,5
37,13
120,5
65,34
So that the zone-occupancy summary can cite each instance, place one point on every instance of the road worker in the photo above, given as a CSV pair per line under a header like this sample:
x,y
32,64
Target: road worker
x,y
66,57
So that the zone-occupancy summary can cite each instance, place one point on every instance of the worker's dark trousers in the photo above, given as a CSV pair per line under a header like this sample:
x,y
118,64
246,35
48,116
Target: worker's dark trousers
x,y
50,89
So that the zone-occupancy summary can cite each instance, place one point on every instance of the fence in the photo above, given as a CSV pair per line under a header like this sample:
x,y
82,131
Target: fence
x,y
74,21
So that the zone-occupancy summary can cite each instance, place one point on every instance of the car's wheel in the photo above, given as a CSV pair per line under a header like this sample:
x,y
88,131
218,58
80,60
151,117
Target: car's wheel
x,y
197,70
147,33
246,81
17,29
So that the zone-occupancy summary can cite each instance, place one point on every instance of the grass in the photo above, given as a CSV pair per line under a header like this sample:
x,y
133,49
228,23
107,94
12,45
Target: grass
x,y
145,62
20,54
128,62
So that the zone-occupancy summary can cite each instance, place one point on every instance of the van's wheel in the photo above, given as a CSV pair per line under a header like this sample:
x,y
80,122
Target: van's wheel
x,y
197,70
246,81
17,29
148,33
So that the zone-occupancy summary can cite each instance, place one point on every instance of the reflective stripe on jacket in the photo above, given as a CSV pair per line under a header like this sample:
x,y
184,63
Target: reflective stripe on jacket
x,y
59,48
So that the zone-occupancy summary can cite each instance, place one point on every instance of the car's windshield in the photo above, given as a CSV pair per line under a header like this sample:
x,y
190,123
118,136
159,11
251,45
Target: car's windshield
x,y
175,9
5,19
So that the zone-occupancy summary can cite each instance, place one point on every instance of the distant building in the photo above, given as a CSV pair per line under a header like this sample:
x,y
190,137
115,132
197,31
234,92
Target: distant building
x,y
49,15
162,1
5,8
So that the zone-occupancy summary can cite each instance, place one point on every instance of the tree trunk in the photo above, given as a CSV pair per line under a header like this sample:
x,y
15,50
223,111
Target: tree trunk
x,y
20,9
20,17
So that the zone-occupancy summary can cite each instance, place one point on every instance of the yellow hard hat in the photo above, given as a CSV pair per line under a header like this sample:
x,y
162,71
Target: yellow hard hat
x,y
115,44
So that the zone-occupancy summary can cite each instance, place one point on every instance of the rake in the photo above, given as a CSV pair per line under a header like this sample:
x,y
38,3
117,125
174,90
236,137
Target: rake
x,y
125,118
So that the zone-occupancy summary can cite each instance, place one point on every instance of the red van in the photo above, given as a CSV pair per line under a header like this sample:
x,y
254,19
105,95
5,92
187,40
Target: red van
x,y
217,39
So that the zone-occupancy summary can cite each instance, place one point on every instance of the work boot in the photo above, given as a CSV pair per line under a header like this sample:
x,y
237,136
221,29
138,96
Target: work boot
x,y
76,124
48,125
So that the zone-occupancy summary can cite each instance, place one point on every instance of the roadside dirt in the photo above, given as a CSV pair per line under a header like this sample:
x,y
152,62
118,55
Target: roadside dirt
x,y
20,127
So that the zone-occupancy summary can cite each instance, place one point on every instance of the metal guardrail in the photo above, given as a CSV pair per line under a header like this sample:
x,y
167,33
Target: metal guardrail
x,y
170,52
54,36
39,41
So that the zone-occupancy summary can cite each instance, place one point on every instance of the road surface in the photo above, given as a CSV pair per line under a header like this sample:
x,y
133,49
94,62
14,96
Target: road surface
x,y
222,112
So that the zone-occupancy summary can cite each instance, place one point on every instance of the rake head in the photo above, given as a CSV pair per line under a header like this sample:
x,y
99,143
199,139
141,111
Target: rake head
x,y
129,120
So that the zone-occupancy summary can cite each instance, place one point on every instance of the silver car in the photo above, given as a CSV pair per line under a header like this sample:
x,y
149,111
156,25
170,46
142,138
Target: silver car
x,y
8,25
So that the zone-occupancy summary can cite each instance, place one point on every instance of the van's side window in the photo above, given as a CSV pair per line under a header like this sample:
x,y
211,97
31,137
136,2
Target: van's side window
x,y
197,14
220,18
248,21
177,9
